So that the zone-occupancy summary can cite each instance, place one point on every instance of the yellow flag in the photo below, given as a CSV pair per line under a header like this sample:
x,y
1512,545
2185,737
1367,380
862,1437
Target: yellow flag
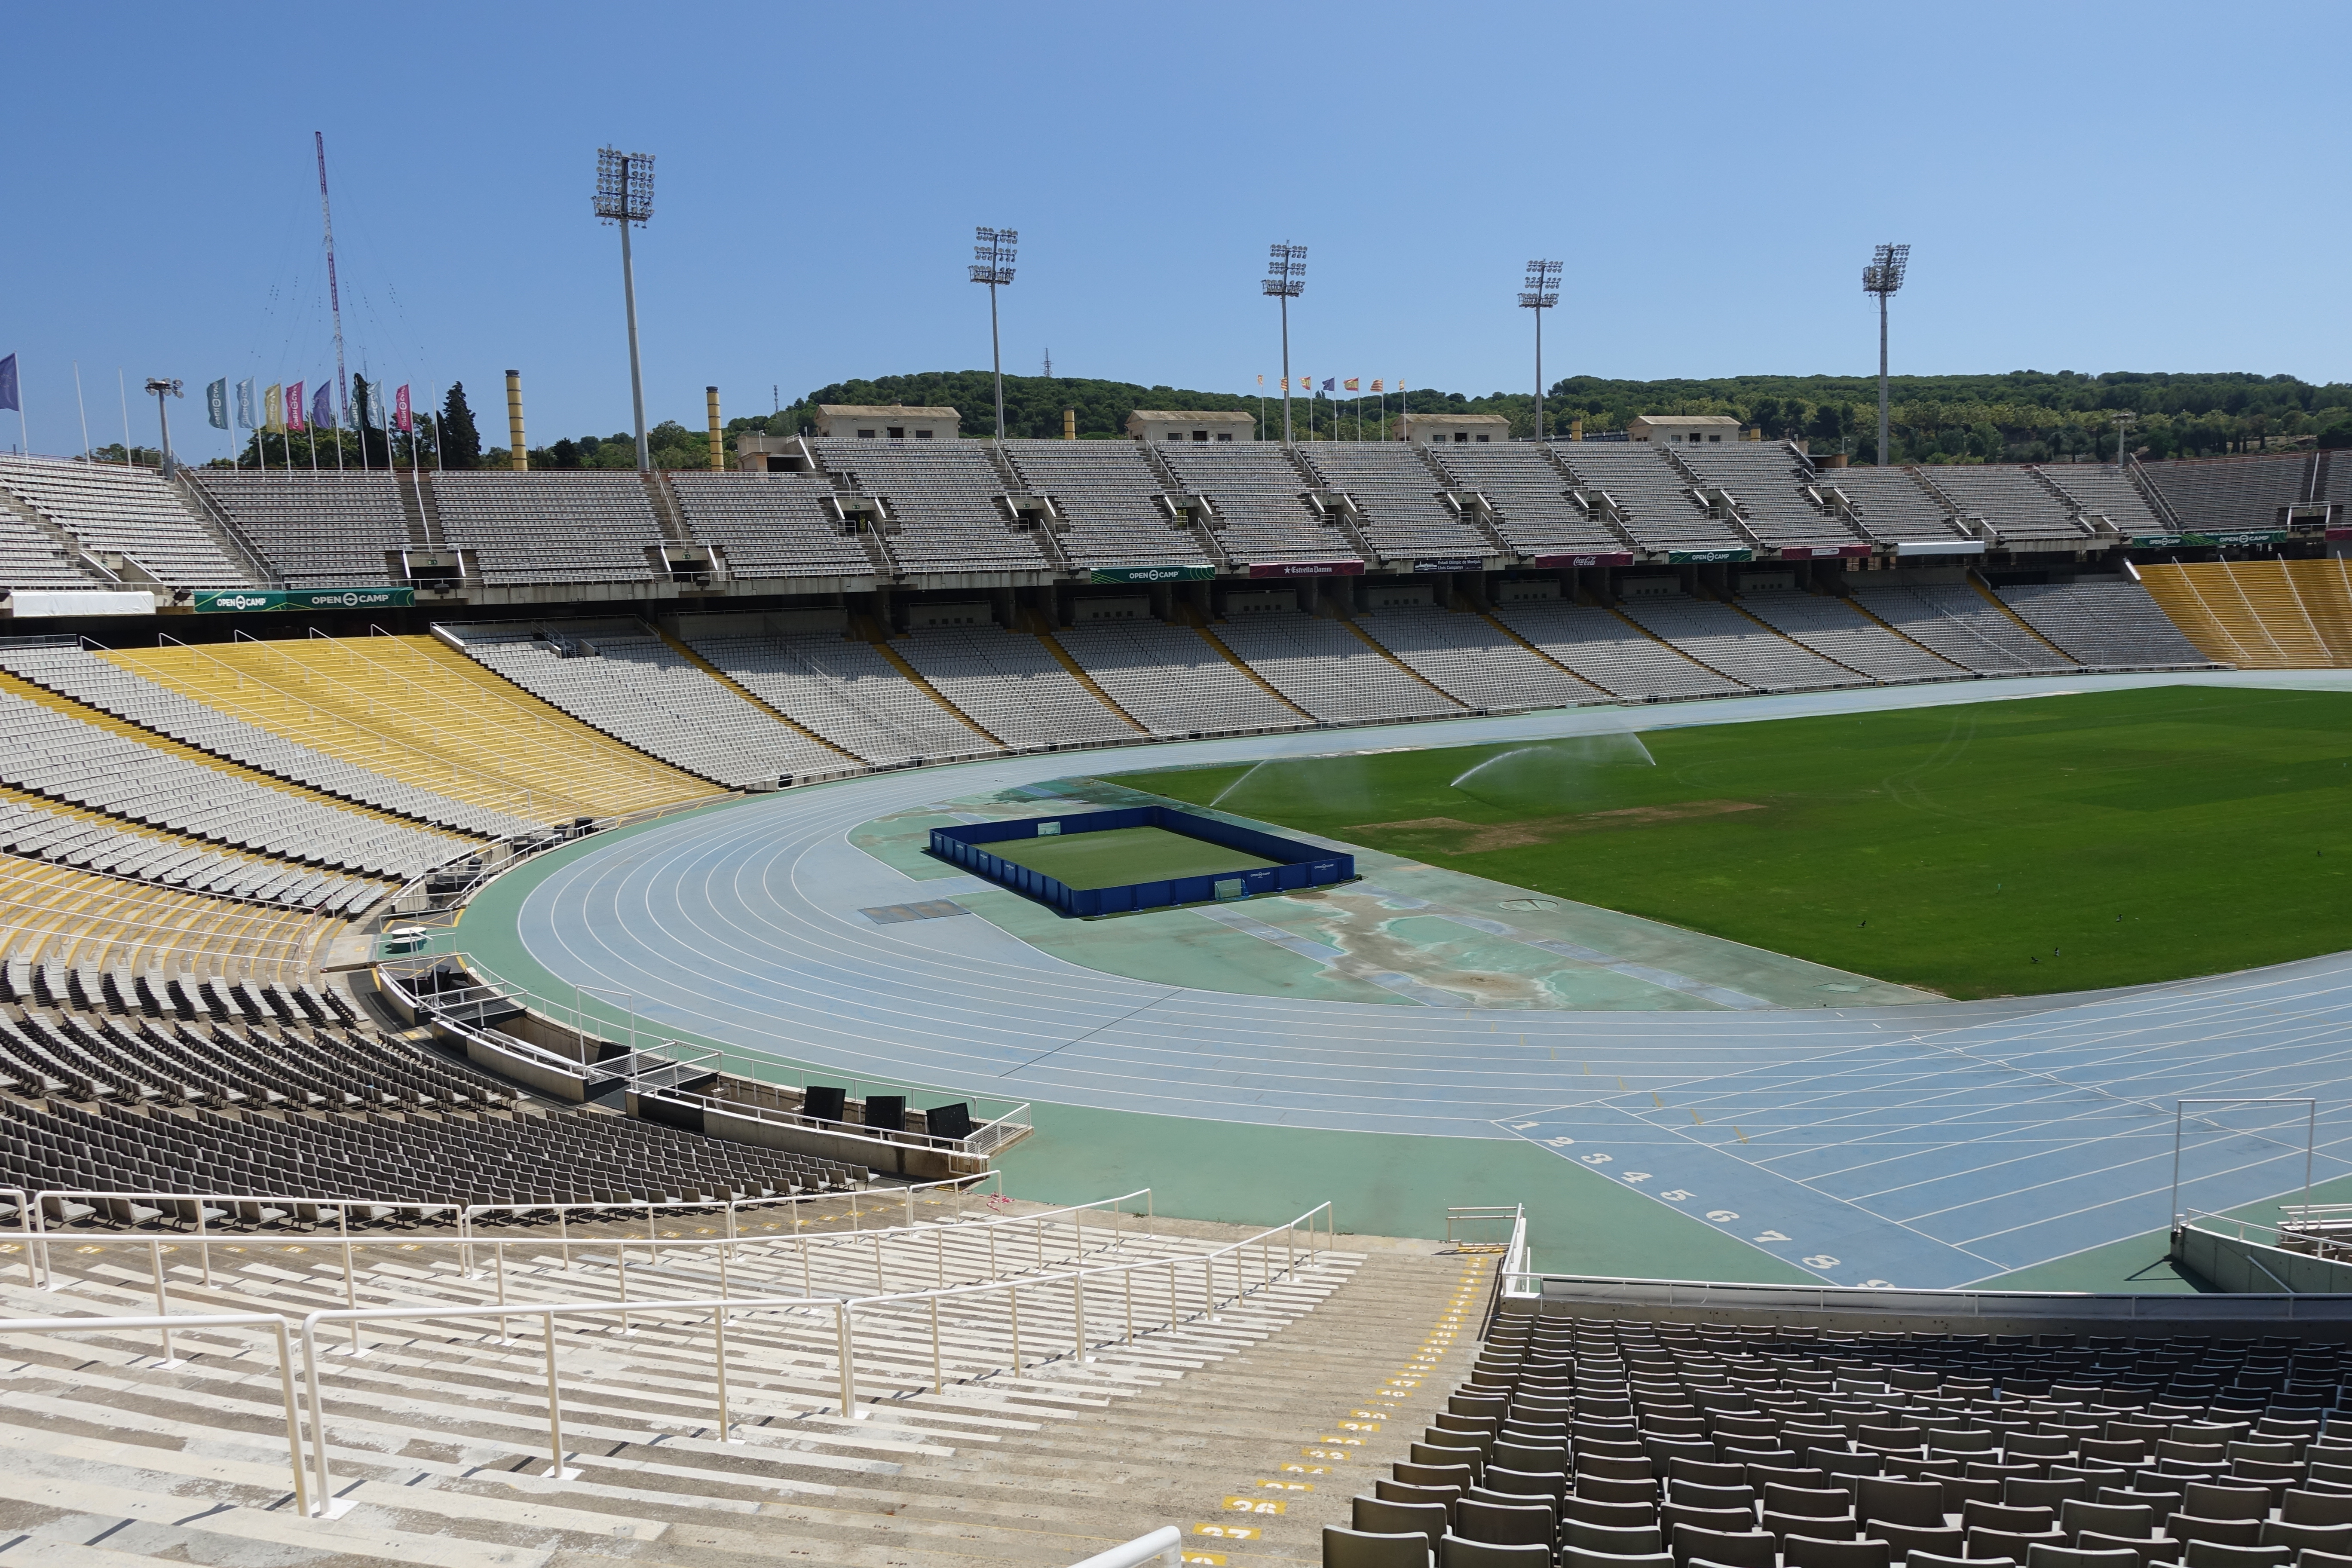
x,y
273,403
1376,383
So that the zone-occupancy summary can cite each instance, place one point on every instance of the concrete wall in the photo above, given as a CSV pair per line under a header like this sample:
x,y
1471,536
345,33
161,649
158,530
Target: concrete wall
x,y
2228,1263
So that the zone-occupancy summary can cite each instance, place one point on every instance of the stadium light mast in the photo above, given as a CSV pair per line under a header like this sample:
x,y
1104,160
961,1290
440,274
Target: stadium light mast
x,y
992,265
624,196
2123,424
162,387
1542,293
1882,276
1286,279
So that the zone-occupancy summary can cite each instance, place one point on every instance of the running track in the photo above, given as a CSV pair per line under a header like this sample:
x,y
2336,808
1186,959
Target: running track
x,y
1922,1146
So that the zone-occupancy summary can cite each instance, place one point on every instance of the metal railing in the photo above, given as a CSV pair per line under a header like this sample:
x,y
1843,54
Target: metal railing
x,y
717,1310
1866,1301
1163,1544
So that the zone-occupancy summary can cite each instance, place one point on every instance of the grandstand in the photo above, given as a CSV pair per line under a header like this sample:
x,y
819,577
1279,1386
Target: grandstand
x,y
1473,660
1012,686
1258,501
1770,484
2022,509
631,684
2104,624
2237,494
848,692
320,530
1329,669
1613,653
123,515
1174,682
2260,615
1397,499
942,504
1893,505
1105,494
1837,631
1645,495
1528,499
1968,628
1738,646
2099,488
771,525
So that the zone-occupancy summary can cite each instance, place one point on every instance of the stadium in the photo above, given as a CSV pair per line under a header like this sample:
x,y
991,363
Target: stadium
x,y
1549,985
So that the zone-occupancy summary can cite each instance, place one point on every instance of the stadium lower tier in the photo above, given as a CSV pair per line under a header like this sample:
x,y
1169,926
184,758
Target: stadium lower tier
x,y
1623,1441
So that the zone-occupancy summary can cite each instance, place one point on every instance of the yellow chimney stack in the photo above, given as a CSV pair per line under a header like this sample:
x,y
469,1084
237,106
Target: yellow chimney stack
x,y
519,454
1070,424
718,446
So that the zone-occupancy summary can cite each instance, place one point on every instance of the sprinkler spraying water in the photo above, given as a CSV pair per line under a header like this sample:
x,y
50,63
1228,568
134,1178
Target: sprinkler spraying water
x,y
1553,775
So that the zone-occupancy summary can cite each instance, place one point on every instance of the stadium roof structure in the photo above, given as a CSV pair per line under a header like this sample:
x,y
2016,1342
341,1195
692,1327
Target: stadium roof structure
x,y
886,410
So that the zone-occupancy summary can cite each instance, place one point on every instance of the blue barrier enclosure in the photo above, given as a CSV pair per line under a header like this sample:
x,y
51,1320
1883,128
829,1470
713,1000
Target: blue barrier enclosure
x,y
1294,864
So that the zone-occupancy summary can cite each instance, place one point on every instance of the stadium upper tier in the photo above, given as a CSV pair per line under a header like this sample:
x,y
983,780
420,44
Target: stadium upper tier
x,y
930,513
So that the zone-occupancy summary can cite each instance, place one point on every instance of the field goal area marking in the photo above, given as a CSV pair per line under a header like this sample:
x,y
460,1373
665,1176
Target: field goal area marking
x,y
2310,1141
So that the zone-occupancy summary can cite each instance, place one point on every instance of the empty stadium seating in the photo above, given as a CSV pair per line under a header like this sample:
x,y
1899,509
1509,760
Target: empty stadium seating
x,y
1613,653
1172,680
632,685
1894,506
1012,686
845,691
1768,479
65,666
1259,499
1960,623
549,526
1835,629
31,557
2226,494
125,511
942,503
1467,656
1328,669
2022,509
769,525
1659,510
2097,487
94,842
2106,625
48,752
315,530
1396,495
1528,496
54,911
1104,491
1624,1440
416,710
2260,615
1719,636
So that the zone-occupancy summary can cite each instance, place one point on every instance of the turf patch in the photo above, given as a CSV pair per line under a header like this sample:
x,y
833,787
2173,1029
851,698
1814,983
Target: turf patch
x,y
1118,855
2008,847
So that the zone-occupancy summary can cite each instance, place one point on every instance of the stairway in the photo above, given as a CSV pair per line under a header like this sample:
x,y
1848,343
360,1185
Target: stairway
x,y
438,1437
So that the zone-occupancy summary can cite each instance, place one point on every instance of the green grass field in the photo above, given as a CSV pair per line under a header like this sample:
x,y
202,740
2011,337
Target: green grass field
x,y
1996,848
1123,855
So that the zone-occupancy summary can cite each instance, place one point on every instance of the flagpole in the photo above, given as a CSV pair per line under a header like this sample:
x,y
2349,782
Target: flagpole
x,y
83,409
122,390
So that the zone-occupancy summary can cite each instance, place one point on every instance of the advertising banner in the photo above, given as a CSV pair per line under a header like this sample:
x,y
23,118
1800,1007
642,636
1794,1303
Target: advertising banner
x,y
1821,552
1305,568
1589,558
1151,574
1452,563
1684,557
248,601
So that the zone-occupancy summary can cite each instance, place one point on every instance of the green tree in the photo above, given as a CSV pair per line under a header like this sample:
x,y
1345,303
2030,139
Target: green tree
x,y
461,444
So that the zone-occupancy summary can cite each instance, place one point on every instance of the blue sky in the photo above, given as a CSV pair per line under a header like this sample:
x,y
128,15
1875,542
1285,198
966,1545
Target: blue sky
x,y
2087,187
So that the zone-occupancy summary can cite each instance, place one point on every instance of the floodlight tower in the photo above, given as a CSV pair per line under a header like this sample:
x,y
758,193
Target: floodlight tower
x,y
2124,422
624,196
162,387
1286,279
1882,276
994,265
1542,293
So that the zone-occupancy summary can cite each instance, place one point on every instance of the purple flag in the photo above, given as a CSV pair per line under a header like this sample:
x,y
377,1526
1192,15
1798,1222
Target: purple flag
x,y
9,397
1327,383
322,406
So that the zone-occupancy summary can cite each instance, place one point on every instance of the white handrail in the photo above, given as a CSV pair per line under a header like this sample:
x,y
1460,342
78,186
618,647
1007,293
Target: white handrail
x,y
1161,1544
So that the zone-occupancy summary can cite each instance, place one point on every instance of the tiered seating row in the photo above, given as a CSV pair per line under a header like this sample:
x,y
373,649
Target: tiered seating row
x,y
1955,621
96,844
639,690
1767,480
1259,500
1104,491
1467,656
1012,686
52,909
848,692
1833,628
2224,494
2260,614
2016,503
125,510
317,530
1172,681
1396,495
944,499
1661,512
1720,638
1613,655
46,753
771,525
1613,1443
2107,626
68,670
2097,487
549,527
1328,671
